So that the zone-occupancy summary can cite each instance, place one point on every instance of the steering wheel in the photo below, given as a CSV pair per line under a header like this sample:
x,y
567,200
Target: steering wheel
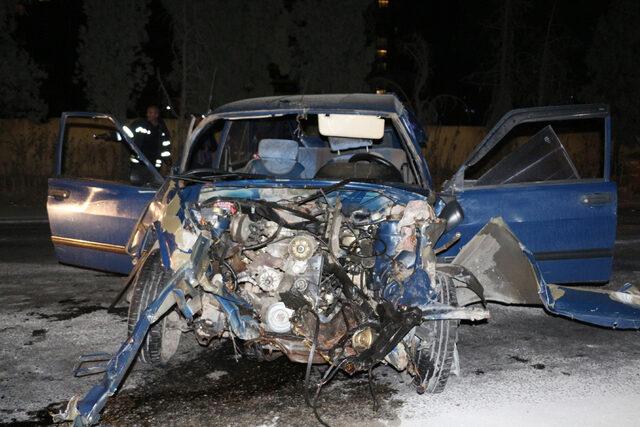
x,y
372,158
341,169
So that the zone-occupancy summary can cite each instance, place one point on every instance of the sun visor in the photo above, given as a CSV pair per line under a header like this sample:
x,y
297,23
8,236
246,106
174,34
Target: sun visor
x,y
351,126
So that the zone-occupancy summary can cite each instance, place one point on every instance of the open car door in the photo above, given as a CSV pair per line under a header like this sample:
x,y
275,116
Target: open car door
x,y
101,186
524,171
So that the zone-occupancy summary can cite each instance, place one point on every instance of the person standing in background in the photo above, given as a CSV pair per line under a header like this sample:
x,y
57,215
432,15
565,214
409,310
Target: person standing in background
x,y
152,137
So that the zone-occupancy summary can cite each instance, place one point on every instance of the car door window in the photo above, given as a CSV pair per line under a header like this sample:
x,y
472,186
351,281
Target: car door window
x,y
541,152
239,145
94,149
202,155
541,158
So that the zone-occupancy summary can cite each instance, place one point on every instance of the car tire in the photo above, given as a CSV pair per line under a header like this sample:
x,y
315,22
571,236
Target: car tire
x,y
163,337
433,346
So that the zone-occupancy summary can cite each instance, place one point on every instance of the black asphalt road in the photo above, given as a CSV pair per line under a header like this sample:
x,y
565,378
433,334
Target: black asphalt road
x,y
523,367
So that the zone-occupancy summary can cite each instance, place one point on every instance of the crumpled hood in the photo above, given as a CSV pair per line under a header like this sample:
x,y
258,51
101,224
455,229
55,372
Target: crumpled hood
x,y
252,189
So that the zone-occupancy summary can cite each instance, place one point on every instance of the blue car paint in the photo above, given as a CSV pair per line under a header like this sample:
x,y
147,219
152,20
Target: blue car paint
x,y
418,139
163,244
572,241
415,290
240,324
388,238
96,212
591,305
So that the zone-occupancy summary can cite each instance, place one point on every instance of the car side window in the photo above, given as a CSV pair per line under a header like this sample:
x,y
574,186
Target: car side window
x,y
239,144
543,151
244,135
204,148
94,149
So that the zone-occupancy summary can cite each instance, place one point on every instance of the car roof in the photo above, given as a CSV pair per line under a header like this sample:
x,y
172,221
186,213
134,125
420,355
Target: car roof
x,y
355,102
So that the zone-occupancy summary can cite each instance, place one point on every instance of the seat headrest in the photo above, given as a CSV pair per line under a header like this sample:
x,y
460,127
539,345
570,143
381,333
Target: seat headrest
x,y
281,149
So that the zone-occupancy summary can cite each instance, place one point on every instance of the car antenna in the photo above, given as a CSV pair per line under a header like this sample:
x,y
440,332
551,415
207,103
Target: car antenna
x,y
213,81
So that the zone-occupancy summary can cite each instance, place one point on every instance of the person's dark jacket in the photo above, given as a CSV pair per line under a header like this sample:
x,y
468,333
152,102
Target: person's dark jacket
x,y
153,141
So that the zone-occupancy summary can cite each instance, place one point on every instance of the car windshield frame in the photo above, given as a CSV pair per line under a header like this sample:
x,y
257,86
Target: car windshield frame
x,y
415,160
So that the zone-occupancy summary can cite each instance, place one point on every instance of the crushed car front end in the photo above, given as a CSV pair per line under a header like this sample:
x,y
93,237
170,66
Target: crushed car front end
x,y
337,273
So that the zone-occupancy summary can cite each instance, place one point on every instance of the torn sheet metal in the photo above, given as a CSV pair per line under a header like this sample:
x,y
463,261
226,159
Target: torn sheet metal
x,y
509,274
86,411
619,309
495,257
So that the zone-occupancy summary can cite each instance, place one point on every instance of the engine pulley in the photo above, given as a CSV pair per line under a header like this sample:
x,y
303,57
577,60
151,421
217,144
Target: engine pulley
x,y
277,318
302,247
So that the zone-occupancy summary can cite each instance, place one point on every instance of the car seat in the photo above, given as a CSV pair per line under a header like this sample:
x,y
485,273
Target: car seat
x,y
277,157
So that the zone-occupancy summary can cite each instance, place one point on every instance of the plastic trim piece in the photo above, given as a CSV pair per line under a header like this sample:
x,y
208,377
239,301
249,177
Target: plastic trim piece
x,y
78,243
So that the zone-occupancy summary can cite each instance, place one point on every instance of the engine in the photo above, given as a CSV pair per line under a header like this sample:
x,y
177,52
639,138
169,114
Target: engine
x,y
311,269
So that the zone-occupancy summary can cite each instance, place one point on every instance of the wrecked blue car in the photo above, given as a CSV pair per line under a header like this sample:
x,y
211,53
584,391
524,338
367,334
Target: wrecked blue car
x,y
313,232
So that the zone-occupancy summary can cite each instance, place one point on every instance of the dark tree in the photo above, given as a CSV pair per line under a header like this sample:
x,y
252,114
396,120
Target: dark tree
x,y
20,76
224,49
613,62
332,52
111,61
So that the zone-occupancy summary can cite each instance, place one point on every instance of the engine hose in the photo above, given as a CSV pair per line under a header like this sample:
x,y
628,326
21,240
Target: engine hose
x,y
349,288
225,264
234,276
270,214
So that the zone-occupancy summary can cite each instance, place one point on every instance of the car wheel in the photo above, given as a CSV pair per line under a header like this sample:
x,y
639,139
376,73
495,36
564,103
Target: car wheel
x,y
433,346
163,337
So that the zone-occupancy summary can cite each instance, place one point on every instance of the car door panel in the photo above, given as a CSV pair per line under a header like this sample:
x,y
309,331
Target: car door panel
x,y
91,219
90,226
569,225
571,240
